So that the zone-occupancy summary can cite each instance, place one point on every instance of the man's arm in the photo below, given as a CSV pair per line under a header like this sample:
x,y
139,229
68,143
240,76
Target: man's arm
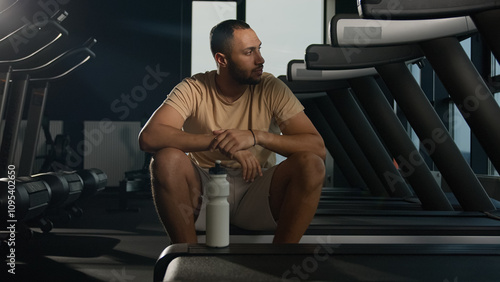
x,y
164,129
299,134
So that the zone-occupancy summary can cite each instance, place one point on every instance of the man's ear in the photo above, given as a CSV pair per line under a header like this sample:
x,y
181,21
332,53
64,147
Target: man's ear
x,y
220,59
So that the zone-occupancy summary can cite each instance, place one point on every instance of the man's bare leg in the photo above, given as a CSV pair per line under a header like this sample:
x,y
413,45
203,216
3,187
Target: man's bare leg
x,y
294,195
176,189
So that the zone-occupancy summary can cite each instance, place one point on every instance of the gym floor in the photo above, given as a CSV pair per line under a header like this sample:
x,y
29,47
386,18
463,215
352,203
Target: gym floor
x,y
104,244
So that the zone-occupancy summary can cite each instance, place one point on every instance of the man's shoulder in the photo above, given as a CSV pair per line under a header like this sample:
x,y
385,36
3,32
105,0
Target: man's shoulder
x,y
269,82
202,77
198,82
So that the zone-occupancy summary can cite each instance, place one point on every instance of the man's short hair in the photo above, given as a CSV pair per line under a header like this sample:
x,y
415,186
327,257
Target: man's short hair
x,y
222,34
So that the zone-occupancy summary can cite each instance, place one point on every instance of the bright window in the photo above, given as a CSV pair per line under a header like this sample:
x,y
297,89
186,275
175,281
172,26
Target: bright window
x,y
286,28
460,130
206,14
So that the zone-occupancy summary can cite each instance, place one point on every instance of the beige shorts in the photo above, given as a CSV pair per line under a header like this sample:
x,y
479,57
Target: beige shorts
x,y
249,202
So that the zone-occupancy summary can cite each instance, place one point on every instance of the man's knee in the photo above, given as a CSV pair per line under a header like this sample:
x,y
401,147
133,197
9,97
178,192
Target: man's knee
x,y
168,158
305,169
169,163
308,164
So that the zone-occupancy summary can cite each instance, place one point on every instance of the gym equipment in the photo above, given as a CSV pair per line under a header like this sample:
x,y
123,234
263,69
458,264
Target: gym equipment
x,y
410,162
7,5
420,112
66,188
381,114
18,14
323,261
427,190
356,123
347,166
32,54
32,197
47,34
57,150
370,143
484,13
41,35
94,181
385,9
38,197
366,224
353,155
61,65
459,76
297,71
135,181
326,57
347,30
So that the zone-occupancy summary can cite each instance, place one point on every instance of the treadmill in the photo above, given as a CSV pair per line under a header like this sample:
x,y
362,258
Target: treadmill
x,y
352,160
431,200
366,223
62,59
459,76
16,83
475,202
49,55
329,262
412,101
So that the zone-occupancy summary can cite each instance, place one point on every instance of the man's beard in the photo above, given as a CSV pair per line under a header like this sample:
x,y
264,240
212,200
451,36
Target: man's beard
x,y
240,76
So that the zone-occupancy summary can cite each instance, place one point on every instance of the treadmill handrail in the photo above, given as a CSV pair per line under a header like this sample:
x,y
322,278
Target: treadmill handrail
x,y
313,87
297,71
27,57
423,9
78,51
16,5
18,16
51,25
351,30
14,31
8,7
61,56
64,73
326,57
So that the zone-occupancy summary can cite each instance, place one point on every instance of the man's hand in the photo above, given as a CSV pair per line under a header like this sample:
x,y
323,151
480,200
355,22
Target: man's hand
x,y
249,164
234,144
231,141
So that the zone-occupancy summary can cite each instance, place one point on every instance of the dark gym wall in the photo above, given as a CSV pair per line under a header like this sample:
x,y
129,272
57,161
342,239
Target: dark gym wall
x,y
136,65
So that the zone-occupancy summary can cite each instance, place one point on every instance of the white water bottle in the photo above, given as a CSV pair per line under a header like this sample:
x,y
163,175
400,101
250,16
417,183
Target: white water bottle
x,y
217,190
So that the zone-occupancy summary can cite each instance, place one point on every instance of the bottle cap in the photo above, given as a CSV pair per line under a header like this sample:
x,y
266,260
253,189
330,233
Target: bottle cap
x,y
217,169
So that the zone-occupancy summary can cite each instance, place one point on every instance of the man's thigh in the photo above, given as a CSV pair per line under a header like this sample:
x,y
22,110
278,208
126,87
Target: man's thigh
x,y
253,211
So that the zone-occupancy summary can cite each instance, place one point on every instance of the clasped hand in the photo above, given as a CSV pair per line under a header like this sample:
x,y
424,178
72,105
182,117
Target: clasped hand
x,y
234,144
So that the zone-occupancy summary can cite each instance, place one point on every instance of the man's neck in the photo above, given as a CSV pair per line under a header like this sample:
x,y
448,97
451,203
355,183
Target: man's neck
x,y
229,88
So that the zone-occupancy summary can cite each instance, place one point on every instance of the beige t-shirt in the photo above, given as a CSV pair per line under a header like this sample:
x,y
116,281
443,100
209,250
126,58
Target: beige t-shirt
x,y
262,107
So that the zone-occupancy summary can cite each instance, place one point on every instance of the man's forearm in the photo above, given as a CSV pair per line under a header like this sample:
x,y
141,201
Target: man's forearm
x,y
169,137
286,145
